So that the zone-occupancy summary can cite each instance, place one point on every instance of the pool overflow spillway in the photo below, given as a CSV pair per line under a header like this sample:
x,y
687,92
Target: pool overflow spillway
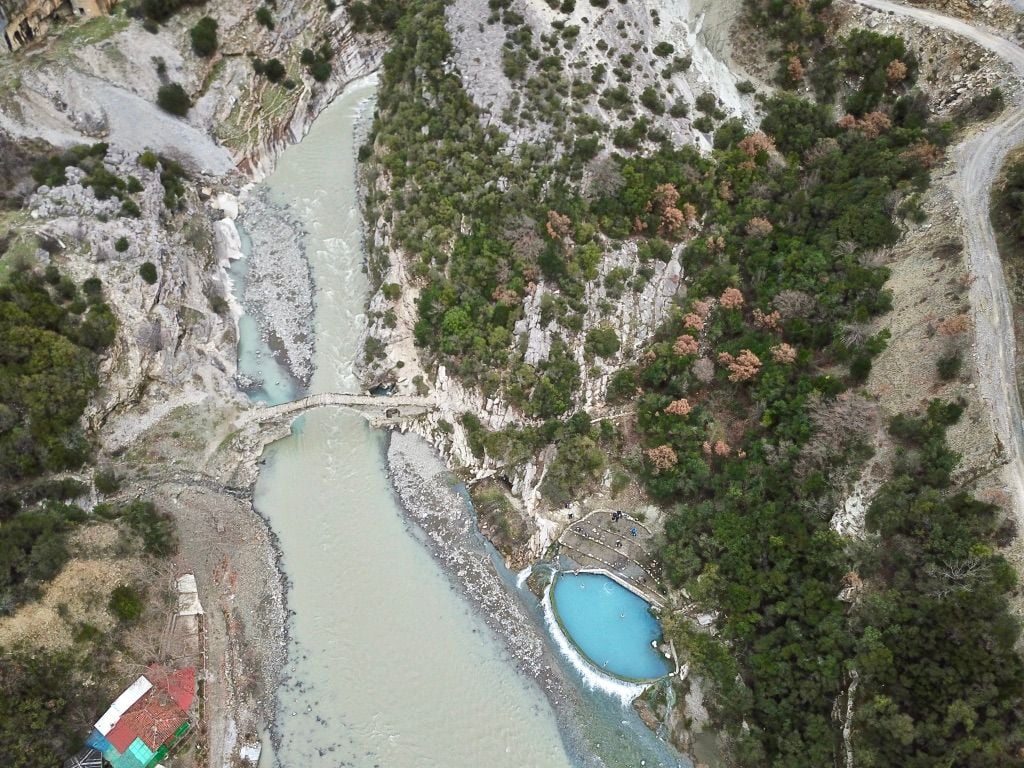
x,y
609,625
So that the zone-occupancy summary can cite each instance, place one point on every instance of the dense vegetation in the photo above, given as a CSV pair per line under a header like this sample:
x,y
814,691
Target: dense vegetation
x,y
749,408
1009,203
50,332
940,679
44,710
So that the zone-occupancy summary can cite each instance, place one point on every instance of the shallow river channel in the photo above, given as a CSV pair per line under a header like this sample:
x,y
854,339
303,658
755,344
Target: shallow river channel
x,y
388,665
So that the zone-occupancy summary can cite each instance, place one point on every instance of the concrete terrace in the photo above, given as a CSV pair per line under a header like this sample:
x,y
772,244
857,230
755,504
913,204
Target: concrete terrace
x,y
598,541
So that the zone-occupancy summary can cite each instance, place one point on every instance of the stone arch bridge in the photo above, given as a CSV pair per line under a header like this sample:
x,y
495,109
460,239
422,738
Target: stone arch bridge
x,y
382,410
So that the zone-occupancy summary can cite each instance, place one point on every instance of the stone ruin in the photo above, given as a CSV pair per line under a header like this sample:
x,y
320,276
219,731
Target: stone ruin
x,y
22,21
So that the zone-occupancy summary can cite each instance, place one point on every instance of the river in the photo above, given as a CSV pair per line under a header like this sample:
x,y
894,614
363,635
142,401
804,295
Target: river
x,y
389,665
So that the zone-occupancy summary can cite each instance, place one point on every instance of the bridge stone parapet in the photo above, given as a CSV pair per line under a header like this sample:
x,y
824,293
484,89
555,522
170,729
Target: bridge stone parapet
x,y
378,410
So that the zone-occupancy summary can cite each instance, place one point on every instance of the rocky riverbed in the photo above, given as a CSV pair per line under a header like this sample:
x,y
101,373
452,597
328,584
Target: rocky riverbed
x,y
279,287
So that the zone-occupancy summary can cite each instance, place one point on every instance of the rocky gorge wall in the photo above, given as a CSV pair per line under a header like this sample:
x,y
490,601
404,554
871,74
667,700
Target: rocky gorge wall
x,y
165,411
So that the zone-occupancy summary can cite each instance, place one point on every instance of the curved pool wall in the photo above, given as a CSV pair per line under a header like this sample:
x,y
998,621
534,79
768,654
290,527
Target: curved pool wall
x,y
603,728
611,626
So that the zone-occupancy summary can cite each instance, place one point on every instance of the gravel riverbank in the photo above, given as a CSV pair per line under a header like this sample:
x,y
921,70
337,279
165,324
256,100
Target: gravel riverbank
x,y
279,285
429,495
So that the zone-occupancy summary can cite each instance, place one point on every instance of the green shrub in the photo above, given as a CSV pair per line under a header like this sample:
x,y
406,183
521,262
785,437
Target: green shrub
x,y
651,99
173,99
148,272
204,36
318,63
679,108
272,69
121,244
125,603
664,49
704,124
948,365
172,177
106,481
264,17
148,160
161,10
602,341
707,103
156,529
375,15
130,208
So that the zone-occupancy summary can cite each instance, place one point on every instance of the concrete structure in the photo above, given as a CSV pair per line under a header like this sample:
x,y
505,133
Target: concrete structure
x,y
22,21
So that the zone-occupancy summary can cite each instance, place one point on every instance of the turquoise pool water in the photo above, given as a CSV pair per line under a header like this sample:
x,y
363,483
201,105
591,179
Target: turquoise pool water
x,y
610,625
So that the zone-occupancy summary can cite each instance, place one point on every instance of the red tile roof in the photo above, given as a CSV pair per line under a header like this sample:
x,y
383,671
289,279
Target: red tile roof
x,y
154,718
121,735
181,684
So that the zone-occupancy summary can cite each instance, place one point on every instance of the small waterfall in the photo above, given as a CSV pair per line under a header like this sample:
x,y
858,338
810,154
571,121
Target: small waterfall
x,y
522,576
670,706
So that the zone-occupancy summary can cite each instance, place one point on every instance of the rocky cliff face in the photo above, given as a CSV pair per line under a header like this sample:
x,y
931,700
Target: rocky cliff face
x,y
629,296
619,36
164,414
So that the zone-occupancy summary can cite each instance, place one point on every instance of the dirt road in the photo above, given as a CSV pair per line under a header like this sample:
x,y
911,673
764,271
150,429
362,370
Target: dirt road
x,y
978,162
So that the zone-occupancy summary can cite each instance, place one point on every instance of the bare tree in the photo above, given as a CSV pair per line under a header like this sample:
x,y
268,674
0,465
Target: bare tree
x,y
603,177
961,574
792,304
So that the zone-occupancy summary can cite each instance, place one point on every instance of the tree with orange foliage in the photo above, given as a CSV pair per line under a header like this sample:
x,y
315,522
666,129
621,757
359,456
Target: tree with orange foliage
x,y
685,345
784,354
679,407
767,322
693,321
759,227
673,223
752,145
558,226
731,298
702,307
924,154
795,69
874,124
896,72
955,325
665,196
743,367
663,457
